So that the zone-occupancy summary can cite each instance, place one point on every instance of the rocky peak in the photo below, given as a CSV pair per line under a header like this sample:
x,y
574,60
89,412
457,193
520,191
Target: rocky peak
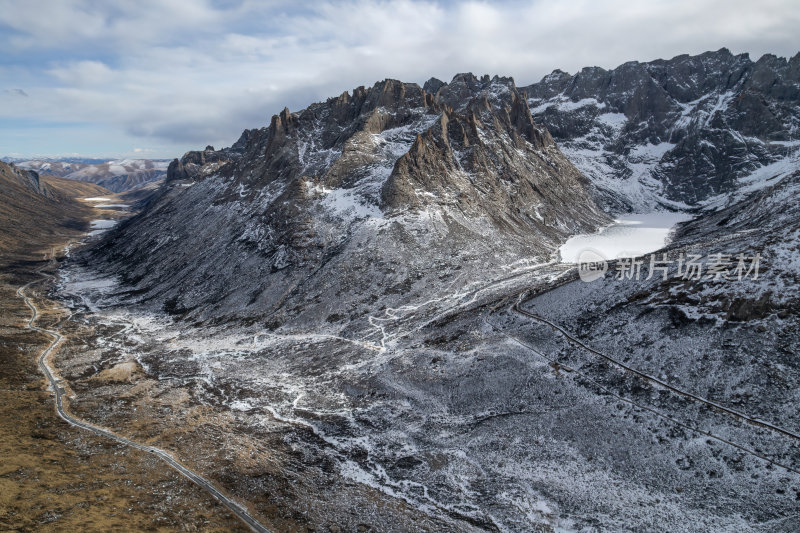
x,y
777,77
281,123
390,168
195,164
457,163
793,70
672,132
394,95
589,80
464,87
241,143
433,85
687,78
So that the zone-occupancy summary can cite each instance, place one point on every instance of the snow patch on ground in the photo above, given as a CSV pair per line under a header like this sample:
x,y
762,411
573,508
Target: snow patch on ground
x,y
769,175
348,202
615,121
562,103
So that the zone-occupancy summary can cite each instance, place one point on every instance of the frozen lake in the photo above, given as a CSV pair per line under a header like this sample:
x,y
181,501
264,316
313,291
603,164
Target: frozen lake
x,y
629,236
100,225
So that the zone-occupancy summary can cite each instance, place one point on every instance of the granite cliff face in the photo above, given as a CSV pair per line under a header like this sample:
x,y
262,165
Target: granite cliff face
x,y
683,132
385,190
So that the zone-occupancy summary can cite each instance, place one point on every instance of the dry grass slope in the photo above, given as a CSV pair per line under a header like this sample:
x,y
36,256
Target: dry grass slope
x,y
54,477
34,212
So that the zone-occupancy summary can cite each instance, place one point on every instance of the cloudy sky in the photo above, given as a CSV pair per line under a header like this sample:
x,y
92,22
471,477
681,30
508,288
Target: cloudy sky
x,y
154,78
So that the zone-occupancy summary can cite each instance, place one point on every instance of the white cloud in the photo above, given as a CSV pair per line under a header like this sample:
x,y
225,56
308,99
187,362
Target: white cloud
x,y
184,73
83,73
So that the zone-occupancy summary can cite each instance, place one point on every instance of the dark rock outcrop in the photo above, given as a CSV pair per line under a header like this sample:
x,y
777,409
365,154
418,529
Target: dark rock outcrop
x,y
674,132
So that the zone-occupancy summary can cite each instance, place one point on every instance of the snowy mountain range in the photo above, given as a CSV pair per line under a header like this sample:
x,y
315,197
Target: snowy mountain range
x,y
460,168
373,286
350,190
680,133
114,175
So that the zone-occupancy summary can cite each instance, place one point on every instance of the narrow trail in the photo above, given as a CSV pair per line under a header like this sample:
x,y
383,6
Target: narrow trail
x,y
656,381
59,388
516,307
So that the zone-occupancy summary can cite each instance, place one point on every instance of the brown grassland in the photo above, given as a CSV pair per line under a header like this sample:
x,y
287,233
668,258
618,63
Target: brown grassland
x,y
54,477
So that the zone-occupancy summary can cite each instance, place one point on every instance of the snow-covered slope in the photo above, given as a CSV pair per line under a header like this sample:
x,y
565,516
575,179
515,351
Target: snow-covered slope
x,y
674,133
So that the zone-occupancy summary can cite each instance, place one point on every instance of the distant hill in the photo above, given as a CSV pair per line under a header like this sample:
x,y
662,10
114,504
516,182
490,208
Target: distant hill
x,y
33,209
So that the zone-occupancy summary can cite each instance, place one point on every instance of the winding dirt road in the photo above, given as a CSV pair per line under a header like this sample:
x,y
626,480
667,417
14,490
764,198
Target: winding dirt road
x,y
60,392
